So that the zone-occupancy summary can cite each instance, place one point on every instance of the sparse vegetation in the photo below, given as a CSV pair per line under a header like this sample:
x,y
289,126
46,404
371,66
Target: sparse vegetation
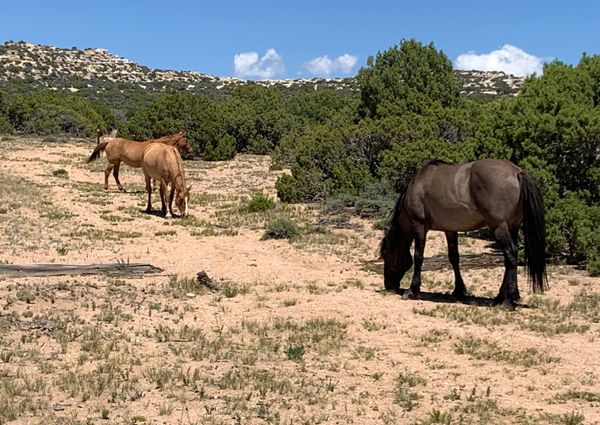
x,y
280,332
281,228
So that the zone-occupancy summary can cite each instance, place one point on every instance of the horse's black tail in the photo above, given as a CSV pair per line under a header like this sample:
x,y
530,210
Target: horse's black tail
x,y
96,154
534,232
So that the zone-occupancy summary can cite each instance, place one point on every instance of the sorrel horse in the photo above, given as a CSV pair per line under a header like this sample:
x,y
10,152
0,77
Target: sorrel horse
x,y
130,152
163,163
459,198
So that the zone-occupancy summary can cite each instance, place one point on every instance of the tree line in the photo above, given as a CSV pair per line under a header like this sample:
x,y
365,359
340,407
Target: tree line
x,y
408,110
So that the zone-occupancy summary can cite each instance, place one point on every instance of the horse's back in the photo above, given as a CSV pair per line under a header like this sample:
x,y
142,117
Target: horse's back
x,y
128,151
159,161
463,197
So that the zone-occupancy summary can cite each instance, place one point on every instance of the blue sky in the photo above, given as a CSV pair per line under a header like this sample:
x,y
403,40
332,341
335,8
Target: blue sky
x,y
279,39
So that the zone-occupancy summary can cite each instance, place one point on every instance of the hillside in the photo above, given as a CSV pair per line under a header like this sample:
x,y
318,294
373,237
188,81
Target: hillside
x,y
74,69
42,66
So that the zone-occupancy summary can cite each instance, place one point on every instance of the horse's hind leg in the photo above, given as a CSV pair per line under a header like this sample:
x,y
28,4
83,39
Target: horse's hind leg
x,y
420,233
509,292
116,175
459,285
106,174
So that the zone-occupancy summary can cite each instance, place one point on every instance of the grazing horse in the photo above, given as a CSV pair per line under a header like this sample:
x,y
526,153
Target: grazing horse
x,y
163,163
130,152
460,198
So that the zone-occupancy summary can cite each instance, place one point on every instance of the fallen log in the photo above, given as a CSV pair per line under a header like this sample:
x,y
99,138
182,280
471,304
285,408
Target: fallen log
x,y
119,269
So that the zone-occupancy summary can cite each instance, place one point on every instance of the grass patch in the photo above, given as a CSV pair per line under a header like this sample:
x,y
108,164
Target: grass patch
x,y
95,234
230,290
61,173
578,395
165,233
484,349
404,393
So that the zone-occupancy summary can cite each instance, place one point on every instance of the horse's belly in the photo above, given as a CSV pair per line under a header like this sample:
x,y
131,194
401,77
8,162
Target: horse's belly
x,y
458,220
132,162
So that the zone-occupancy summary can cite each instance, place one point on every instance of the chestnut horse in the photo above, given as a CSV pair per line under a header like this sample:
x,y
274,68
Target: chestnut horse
x,y
130,152
458,198
163,163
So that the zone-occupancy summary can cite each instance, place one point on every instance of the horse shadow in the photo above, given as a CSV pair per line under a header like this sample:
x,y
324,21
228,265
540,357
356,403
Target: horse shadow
x,y
155,213
438,297
158,213
445,298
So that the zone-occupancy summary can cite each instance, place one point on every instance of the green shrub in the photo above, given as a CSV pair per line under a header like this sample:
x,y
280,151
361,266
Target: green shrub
x,y
281,228
288,189
5,125
259,203
572,231
223,150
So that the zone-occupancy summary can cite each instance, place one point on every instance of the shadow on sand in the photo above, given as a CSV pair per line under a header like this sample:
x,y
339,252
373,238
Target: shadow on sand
x,y
436,297
155,213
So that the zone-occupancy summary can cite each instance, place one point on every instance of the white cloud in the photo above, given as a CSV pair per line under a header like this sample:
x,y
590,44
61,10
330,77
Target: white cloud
x,y
248,65
324,66
509,59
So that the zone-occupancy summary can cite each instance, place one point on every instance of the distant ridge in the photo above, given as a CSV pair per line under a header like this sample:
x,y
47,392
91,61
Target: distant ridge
x,y
42,66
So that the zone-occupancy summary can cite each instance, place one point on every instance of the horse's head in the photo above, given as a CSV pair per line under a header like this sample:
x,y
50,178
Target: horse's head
x,y
182,200
182,143
395,250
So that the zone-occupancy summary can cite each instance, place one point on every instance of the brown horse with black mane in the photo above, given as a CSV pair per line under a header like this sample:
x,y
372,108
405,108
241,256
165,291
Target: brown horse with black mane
x,y
130,152
458,198
163,163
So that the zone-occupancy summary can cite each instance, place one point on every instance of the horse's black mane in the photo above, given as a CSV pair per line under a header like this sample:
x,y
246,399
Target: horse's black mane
x,y
391,237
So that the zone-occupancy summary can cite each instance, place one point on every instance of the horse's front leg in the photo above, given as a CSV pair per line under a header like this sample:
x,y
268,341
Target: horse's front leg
x,y
171,195
163,196
509,292
420,233
149,190
459,285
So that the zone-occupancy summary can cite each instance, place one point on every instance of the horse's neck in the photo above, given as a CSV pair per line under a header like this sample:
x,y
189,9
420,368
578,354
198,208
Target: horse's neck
x,y
179,182
168,140
179,179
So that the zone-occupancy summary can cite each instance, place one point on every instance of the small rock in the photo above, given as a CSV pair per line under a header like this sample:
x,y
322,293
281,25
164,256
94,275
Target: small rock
x,y
190,295
205,280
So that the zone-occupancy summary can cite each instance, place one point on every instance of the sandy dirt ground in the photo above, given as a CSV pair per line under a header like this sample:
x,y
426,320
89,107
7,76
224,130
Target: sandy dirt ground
x,y
289,331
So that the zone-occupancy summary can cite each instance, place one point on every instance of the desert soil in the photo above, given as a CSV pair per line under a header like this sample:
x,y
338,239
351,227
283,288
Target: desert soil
x,y
290,331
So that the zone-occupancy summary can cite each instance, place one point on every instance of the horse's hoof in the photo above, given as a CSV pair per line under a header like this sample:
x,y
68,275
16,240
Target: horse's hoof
x,y
395,289
459,296
504,304
507,305
410,295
